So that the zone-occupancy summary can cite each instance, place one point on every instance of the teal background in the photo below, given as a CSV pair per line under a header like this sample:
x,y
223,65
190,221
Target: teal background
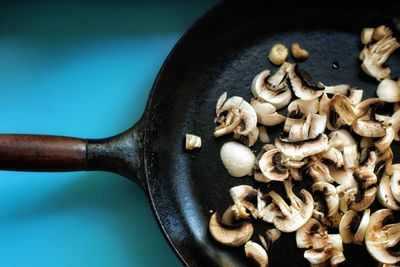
x,y
81,69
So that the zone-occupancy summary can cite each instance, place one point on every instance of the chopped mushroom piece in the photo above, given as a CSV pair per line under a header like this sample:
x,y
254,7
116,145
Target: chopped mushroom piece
x,y
375,55
366,35
269,237
355,96
250,139
368,127
302,84
257,253
381,32
382,237
266,113
192,141
350,157
385,192
302,149
340,112
237,159
230,236
395,184
396,125
304,106
298,52
341,138
271,165
278,54
329,196
263,134
297,214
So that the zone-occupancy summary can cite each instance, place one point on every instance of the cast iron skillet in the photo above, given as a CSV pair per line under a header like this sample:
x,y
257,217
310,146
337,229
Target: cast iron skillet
x,y
223,51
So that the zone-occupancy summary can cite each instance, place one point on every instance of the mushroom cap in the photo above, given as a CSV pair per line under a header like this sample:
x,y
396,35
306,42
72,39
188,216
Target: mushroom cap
x,y
238,159
230,236
271,165
385,195
301,149
389,91
257,253
380,237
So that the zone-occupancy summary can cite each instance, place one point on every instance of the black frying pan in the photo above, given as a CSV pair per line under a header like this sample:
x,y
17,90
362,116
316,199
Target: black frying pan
x,y
223,51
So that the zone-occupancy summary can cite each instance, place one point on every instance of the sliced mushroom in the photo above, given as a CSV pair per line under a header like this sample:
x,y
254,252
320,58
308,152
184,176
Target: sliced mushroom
x,y
367,127
302,149
333,156
271,165
257,253
230,236
263,134
266,113
278,95
368,104
341,89
295,215
340,112
341,138
304,106
355,96
242,196
319,172
384,162
240,118
323,104
238,159
395,184
317,126
348,226
350,157
302,84
384,142
298,52
304,236
381,237
341,176
385,195
388,91
381,32
366,35
362,228
329,195
375,55
396,125
271,235
367,142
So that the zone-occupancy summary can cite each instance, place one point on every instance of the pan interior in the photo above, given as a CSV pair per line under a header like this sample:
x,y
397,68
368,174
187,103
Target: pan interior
x,y
223,52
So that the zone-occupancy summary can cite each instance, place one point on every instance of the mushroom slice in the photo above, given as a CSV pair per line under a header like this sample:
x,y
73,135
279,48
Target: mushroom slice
x,y
233,215
317,126
277,94
242,196
385,195
301,149
302,84
366,35
395,185
304,106
271,165
296,132
370,103
396,125
257,253
295,215
305,234
263,134
341,89
341,176
266,113
384,142
366,189
384,162
289,122
323,104
389,91
380,32
271,235
238,159
350,157
367,142
341,138
362,228
366,127
348,226
355,96
375,55
230,236
240,118
329,195
381,237
340,112
333,156
319,172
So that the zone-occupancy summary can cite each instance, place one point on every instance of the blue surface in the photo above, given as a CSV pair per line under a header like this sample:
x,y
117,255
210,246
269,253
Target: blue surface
x,y
83,70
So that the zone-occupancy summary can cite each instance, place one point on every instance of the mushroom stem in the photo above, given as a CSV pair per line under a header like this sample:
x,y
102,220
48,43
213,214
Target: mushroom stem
x,y
280,202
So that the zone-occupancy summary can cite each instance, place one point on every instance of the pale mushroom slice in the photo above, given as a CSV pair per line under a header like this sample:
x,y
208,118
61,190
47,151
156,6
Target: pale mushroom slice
x,y
234,115
396,125
362,228
384,142
368,127
341,89
394,183
326,193
366,35
384,162
341,138
295,215
192,141
348,226
381,32
319,172
277,94
385,192
374,56
257,253
266,210
304,106
317,125
381,237
332,156
323,104
238,159
230,236
302,84
245,197
263,134
269,237
340,112
272,167
350,157
266,113
304,235
355,96
301,149
388,90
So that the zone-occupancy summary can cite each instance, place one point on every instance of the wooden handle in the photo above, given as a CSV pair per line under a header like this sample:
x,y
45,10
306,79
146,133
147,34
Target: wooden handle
x,y
42,153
